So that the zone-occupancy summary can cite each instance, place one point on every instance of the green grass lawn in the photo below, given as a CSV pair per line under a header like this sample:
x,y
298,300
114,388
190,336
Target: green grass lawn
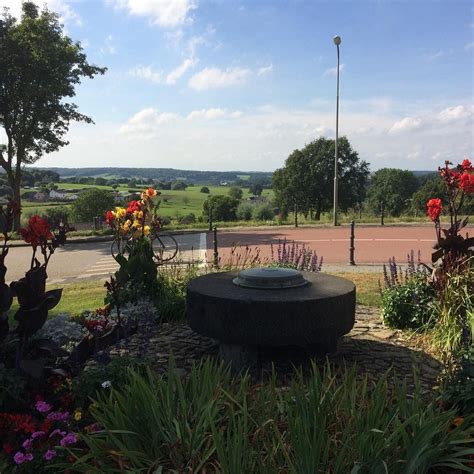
x,y
78,297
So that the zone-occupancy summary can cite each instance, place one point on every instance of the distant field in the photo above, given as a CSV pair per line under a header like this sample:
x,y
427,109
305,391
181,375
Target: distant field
x,y
173,203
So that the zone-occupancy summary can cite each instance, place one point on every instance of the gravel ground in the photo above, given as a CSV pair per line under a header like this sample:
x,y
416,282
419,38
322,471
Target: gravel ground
x,y
370,347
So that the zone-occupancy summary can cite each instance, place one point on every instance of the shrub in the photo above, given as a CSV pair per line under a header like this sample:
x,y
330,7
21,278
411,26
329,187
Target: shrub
x,y
409,305
57,214
263,212
244,211
179,186
92,203
223,208
188,219
235,192
205,190
97,379
211,422
171,293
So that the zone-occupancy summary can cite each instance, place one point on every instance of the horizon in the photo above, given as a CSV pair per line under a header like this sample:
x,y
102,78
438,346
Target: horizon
x,y
206,84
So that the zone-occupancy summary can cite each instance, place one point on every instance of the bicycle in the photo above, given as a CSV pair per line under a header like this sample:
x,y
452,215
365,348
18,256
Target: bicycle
x,y
164,246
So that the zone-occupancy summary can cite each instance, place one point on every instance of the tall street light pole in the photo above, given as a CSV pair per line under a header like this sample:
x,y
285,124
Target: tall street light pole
x,y
337,42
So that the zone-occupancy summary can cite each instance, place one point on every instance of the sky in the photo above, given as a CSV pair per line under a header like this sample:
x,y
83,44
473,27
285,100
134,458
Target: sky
x,y
238,85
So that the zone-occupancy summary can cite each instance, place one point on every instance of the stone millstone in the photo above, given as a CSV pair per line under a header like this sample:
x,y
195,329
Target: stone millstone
x,y
313,315
270,278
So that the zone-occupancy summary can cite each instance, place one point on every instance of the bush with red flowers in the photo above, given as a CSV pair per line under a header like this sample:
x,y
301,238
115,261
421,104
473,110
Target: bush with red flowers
x,y
451,246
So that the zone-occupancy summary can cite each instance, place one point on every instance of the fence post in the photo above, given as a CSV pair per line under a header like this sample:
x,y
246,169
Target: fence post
x,y
210,218
216,251
352,245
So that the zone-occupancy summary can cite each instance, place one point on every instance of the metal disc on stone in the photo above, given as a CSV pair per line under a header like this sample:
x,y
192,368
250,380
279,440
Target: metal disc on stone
x,y
270,278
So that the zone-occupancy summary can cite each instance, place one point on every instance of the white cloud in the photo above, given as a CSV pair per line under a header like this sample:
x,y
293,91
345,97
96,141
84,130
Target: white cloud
x,y
263,71
435,56
147,73
211,114
454,113
175,74
263,137
146,123
109,46
62,7
469,46
211,78
333,70
405,124
164,13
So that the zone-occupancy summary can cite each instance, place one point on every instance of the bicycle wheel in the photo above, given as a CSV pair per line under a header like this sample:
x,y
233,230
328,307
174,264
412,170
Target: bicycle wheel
x,y
118,247
165,248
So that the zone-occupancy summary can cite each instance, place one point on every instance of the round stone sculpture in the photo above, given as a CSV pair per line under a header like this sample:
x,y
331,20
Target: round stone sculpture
x,y
254,309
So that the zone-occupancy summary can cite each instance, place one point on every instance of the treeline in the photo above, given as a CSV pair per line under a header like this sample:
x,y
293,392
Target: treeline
x,y
164,175
306,184
30,178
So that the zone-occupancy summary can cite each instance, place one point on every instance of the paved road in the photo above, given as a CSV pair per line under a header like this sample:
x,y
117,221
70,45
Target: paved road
x,y
374,245
87,261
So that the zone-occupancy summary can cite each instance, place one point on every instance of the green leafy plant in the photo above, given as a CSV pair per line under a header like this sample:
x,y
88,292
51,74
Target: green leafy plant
x,y
326,422
409,304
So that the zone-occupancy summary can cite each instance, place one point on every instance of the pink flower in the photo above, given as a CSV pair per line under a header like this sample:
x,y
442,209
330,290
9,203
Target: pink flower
x,y
27,444
70,438
20,458
43,407
50,454
58,416
37,434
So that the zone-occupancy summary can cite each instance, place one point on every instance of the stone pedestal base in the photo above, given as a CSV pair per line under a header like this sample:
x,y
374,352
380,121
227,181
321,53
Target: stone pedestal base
x,y
239,357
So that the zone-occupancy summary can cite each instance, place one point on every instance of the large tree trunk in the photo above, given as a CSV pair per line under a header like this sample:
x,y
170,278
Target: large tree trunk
x,y
17,199
318,211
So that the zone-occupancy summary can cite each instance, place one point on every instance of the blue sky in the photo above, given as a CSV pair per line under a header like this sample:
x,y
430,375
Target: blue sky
x,y
238,85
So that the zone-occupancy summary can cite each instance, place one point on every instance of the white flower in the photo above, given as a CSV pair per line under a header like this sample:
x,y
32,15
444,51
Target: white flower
x,y
106,384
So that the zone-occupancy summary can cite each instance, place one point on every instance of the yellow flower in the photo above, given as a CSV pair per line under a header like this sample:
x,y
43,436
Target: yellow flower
x,y
126,225
146,230
120,212
138,233
136,224
77,415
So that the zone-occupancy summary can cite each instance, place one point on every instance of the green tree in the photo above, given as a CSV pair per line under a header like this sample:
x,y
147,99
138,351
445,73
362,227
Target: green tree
x,y
99,181
256,189
205,190
306,183
434,187
393,187
179,186
223,208
40,68
235,192
92,203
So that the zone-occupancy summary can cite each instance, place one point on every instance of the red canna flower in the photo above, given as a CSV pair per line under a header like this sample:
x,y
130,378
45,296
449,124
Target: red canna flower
x,y
38,230
109,217
466,165
466,182
133,206
434,208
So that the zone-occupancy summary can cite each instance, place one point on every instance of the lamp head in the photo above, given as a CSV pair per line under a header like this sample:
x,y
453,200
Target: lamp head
x,y
337,40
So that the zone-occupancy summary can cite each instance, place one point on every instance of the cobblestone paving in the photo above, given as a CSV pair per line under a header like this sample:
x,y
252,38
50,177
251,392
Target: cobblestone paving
x,y
371,346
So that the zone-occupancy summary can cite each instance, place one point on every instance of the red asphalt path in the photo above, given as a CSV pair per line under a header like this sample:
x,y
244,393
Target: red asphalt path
x,y
373,244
